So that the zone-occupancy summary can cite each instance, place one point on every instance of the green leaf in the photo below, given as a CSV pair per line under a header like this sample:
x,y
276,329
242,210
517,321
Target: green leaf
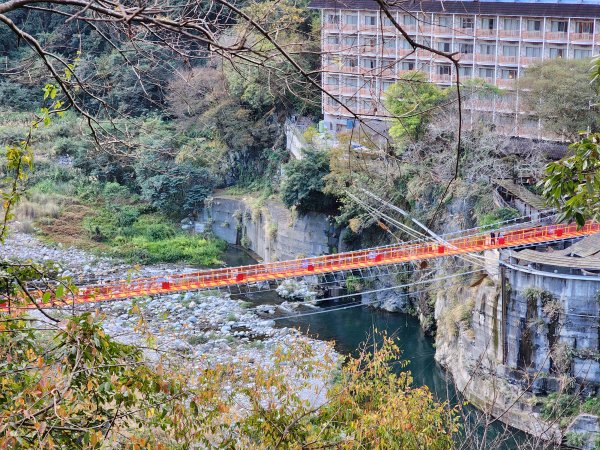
x,y
46,297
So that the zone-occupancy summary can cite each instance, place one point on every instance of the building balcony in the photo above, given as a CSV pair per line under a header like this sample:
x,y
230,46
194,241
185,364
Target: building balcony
x,y
441,31
557,36
332,26
367,111
405,52
332,68
390,29
334,109
387,51
488,80
481,58
333,89
527,61
349,28
367,92
369,29
508,59
331,48
532,35
466,57
348,90
370,49
486,33
509,33
506,107
582,37
410,28
441,78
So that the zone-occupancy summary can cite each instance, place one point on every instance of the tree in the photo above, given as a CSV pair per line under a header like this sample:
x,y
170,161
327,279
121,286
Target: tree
x,y
412,102
304,183
560,93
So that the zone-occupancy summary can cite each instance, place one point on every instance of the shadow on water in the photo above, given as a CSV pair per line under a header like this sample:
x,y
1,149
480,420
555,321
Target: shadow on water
x,y
349,328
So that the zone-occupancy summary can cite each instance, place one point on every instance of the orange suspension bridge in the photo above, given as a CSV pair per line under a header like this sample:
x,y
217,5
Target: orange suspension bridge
x,y
339,262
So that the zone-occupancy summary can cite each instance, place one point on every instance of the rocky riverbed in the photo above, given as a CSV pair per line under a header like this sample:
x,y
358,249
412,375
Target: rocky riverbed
x,y
202,328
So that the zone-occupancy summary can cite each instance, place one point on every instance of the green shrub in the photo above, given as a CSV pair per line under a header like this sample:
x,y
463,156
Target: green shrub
x,y
560,405
159,231
498,215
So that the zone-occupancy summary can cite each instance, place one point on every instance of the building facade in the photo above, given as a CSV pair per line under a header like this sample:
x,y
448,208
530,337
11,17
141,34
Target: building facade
x,y
363,53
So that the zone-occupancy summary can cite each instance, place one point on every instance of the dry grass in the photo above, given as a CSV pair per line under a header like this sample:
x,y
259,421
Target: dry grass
x,y
68,227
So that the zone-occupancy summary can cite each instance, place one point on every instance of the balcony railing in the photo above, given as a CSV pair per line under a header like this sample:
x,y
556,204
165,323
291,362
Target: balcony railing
x,y
481,32
509,33
466,57
528,60
532,35
441,31
441,78
405,52
331,48
585,37
557,36
480,57
508,59
370,49
349,28
369,28
333,89
331,26
349,90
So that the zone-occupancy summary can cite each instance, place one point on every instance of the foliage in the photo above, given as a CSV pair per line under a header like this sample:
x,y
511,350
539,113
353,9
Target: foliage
x,y
560,93
354,284
128,232
411,101
498,215
573,184
83,389
560,405
304,183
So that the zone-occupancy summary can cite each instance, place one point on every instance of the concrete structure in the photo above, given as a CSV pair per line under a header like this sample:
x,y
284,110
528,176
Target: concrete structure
x,y
363,52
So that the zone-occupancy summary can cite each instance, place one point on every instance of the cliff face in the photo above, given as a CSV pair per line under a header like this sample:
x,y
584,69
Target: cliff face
x,y
269,229
512,336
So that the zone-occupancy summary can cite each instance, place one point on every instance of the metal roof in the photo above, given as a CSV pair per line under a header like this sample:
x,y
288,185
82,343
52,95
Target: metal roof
x,y
580,10
550,259
522,193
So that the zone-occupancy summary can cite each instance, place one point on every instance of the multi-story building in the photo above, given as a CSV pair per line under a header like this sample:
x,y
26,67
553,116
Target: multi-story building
x,y
364,53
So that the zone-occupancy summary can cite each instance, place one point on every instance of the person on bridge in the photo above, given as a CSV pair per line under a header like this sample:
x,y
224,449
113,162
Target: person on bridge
x,y
492,238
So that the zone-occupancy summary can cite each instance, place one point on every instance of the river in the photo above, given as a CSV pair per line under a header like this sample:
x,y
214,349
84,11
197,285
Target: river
x,y
349,328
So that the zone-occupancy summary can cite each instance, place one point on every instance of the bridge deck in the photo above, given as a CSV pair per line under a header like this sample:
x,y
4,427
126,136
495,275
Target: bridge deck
x,y
216,278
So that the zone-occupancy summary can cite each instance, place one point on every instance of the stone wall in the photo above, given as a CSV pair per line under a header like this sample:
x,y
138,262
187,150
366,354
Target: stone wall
x,y
269,229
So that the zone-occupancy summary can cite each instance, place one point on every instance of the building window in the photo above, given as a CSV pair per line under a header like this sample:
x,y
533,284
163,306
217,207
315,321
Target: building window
x,y
487,49
444,46
488,23
510,50
331,80
333,39
351,40
350,82
409,20
534,25
582,53
444,70
584,27
350,102
465,71
370,21
367,84
350,63
486,72
351,19
386,84
559,26
466,22
387,63
408,65
369,63
403,43
387,22
465,48
511,24
508,74
533,52
445,21
389,43
369,42
557,52
333,19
